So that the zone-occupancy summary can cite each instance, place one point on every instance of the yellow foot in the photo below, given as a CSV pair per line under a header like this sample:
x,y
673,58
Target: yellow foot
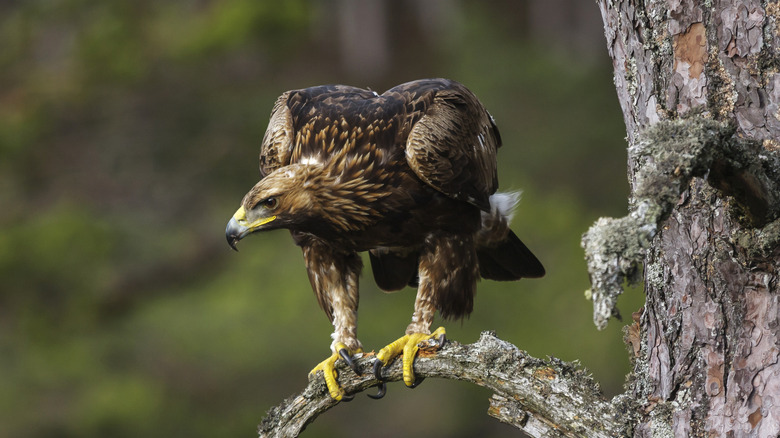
x,y
407,345
329,372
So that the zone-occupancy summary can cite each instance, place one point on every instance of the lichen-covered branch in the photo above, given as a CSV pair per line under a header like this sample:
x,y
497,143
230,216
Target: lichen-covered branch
x,y
665,157
541,397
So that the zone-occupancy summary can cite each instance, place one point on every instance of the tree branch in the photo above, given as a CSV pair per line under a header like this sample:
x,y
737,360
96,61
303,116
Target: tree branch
x,y
541,397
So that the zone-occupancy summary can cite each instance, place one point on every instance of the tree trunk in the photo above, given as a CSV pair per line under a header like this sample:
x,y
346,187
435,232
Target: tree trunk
x,y
699,86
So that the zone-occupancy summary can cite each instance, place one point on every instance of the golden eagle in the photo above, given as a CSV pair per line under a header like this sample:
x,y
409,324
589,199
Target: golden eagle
x,y
409,176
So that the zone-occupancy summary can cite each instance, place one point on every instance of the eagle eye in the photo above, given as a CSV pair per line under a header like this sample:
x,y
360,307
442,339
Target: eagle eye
x,y
269,203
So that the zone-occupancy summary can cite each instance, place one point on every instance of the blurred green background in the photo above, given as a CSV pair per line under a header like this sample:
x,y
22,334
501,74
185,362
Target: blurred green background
x,y
129,132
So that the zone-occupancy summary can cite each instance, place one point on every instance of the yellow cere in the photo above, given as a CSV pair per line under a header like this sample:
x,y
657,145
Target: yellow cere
x,y
240,214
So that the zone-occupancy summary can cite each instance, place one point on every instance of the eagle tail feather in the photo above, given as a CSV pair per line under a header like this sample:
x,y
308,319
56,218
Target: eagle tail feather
x,y
502,255
509,260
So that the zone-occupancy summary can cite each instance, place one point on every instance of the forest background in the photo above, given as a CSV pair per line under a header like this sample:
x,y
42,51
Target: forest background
x,y
129,131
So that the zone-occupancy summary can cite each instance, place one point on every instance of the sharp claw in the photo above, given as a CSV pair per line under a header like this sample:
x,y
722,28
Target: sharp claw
x,y
382,386
347,398
381,393
417,382
348,359
378,370
442,340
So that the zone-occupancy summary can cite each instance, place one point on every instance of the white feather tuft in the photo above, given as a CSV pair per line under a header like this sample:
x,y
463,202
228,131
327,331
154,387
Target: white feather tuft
x,y
504,204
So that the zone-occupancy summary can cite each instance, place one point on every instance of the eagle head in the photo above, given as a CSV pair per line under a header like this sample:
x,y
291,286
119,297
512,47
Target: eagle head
x,y
283,199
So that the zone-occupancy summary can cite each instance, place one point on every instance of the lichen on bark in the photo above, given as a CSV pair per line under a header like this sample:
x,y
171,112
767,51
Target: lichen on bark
x,y
665,158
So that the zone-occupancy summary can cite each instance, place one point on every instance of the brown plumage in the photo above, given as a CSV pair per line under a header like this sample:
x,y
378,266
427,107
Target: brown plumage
x,y
408,175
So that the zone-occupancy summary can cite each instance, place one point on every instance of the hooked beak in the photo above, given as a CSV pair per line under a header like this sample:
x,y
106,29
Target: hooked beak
x,y
235,230
238,228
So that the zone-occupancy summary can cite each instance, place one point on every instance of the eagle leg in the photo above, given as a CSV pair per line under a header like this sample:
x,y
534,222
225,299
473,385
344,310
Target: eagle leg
x,y
334,278
329,373
407,347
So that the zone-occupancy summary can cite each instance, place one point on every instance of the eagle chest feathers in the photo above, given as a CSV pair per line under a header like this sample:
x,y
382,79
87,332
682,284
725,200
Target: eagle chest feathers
x,y
408,175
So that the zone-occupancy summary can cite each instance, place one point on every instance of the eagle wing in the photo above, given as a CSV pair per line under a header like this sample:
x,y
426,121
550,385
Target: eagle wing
x,y
319,122
277,146
453,145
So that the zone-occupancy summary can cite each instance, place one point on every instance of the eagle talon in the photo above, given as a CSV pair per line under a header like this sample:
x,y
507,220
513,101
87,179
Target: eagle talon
x,y
344,353
416,383
381,386
382,390
329,373
378,370
407,347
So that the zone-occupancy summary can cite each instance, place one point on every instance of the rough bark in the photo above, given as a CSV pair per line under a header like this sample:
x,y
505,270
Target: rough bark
x,y
541,397
699,87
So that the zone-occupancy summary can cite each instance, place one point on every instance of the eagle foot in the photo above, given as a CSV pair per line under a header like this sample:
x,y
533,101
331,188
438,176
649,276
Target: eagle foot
x,y
330,374
407,346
